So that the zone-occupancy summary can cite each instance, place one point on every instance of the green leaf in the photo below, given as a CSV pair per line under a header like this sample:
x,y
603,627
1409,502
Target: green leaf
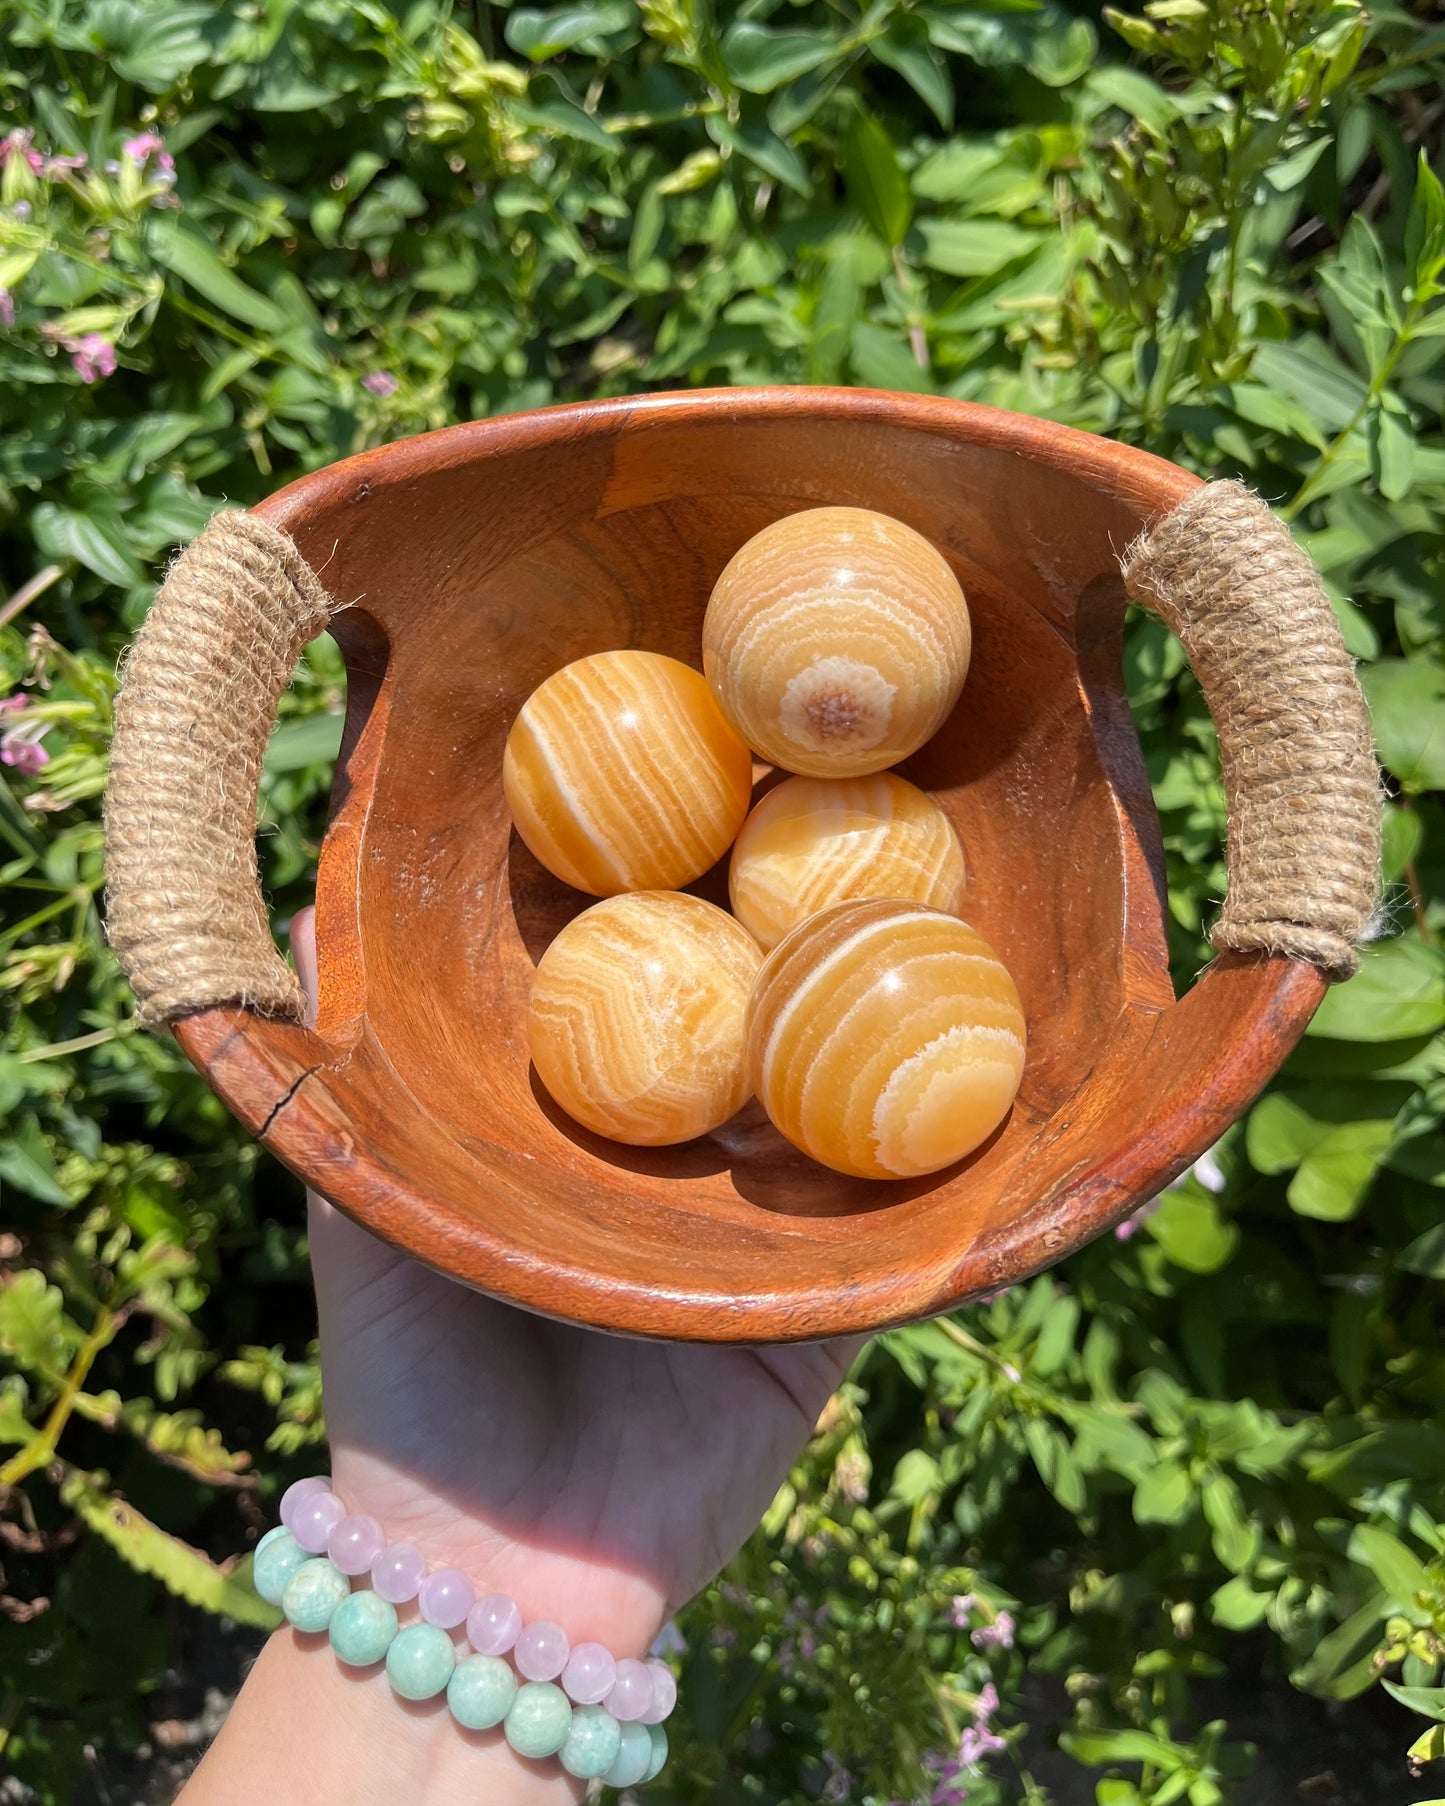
x,y
1237,1606
1098,1747
1193,1233
883,359
1164,1494
1312,375
149,1549
1429,1702
1407,702
1335,1175
760,60
538,35
1399,1571
1134,93
876,183
917,1477
1332,1669
905,48
839,299
1426,1254
1063,53
90,539
187,256
1425,226
35,1332
1236,1540
974,247
27,1163
760,146
304,741
1398,991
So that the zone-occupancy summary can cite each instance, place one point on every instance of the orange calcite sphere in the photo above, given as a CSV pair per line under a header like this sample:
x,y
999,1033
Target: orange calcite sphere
x,y
813,842
885,1039
621,774
637,1013
836,642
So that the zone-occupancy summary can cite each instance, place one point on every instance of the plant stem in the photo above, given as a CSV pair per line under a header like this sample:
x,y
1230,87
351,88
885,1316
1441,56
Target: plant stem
x,y
40,1450
28,592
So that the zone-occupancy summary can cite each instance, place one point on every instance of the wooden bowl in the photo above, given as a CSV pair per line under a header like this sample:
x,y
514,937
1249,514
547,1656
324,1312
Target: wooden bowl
x,y
477,560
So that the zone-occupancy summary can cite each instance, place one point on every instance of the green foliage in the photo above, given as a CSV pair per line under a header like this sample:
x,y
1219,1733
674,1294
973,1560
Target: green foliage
x,y
241,242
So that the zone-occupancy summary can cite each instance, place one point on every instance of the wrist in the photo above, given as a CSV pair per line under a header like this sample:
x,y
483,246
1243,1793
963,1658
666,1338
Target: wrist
x,y
304,1728
593,1596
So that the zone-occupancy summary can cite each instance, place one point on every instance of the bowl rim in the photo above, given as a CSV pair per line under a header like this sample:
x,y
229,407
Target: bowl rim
x,y
262,1068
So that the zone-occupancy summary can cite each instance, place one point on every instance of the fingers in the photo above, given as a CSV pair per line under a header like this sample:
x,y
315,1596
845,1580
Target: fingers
x,y
303,951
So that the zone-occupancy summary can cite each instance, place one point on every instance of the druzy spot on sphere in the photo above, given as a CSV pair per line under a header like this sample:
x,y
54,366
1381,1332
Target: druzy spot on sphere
x,y
637,1014
621,774
814,842
885,1039
836,641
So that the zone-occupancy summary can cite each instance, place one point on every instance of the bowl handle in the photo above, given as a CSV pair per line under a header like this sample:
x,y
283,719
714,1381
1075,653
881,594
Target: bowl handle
x,y
184,909
1295,740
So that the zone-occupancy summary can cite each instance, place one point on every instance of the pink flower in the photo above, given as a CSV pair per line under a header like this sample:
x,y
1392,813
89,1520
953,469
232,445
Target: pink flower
x,y
56,166
998,1635
380,382
1132,1225
7,703
7,307
93,356
147,145
976,1743
987,1704
21,748
961,1607
21,143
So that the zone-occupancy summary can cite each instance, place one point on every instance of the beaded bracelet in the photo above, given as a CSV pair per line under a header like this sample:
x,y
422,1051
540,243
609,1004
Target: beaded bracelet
x,y
602,1718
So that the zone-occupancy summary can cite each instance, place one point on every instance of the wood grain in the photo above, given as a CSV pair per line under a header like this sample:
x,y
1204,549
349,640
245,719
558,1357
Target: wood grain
x,y
480,559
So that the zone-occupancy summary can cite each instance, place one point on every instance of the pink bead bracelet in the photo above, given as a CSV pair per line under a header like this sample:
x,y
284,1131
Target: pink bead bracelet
x,y
644,1692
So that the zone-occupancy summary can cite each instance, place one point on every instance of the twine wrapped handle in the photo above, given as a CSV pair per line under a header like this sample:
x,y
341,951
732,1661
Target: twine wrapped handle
x,y
184,909
1295,740
185,912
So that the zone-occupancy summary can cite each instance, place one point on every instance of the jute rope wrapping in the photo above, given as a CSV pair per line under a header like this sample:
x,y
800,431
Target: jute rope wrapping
x,y
1294,733
185,911
184,908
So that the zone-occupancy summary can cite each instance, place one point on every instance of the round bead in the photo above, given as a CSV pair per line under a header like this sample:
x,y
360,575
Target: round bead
x,y
541,1652
362,1628
836,642
659,1752
313,1520
445,1598
885,1040
592,1743
299,1491
631,1693
397,1573
814,842
493,1624
355,1543
481,1691
313,1593
636,1018
664,1692
622,775
589,1674
538,1720
634,1754
420,1661
278,1556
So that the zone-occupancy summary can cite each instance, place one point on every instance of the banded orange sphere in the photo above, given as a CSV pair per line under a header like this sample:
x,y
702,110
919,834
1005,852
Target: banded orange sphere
x,y
885,1039
637,1013
814,842
836,642
621,774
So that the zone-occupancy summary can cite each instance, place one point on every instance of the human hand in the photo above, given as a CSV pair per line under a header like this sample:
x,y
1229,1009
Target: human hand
x,y
600,1482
